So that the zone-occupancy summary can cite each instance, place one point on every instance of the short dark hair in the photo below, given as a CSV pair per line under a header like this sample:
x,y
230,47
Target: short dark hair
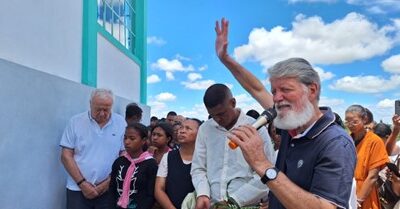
x,y
153,118
253,113
140,128
169,131
133,109
172,113
382,130
199,122
216,94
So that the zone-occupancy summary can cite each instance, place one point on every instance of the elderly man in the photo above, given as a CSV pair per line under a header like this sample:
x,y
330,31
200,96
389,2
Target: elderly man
x,y
316,159
221,175
91,142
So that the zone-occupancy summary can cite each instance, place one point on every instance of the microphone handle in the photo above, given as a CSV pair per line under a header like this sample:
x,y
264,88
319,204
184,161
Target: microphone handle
x,y
262,120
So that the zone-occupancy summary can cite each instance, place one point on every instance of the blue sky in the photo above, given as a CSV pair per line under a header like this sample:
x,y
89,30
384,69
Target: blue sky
x,y
354,45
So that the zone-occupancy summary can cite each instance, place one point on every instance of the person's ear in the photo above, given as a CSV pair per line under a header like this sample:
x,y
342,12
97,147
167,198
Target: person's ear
x,y
364,120
313,89
232,101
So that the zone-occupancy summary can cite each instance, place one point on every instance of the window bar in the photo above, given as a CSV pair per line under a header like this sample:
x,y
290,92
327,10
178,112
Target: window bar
x,y
112,17
119,21
104,14
124,22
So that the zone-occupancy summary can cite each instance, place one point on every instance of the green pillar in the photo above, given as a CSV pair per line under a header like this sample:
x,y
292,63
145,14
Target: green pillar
x,y
141,45
89,43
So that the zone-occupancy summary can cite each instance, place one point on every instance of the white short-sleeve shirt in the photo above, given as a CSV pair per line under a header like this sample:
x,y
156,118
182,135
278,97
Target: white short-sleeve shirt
x,y
95,148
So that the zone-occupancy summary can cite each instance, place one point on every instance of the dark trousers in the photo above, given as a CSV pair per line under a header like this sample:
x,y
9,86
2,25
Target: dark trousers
x,y
76,200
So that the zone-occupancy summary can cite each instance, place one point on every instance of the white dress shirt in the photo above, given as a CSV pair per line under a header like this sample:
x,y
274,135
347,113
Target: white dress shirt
x,y
215,165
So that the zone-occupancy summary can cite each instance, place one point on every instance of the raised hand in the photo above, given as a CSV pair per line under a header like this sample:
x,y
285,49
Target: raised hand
x,y
221,42
396,120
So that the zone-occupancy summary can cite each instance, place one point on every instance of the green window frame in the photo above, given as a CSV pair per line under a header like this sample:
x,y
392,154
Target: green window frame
x,y
122,23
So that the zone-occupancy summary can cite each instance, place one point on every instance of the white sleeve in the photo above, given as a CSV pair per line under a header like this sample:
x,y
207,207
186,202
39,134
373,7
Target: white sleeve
x,y
254,190
68,138
199,165
163,166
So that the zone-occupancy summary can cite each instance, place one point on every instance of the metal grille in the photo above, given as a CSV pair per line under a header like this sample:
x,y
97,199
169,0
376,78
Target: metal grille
x,y
118,18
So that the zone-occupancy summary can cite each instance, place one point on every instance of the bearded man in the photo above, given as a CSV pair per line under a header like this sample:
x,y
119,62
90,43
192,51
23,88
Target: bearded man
x,y
316,159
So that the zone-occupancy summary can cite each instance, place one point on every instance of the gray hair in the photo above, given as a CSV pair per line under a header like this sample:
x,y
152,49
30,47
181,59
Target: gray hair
x,y
102,93
360,110
296,68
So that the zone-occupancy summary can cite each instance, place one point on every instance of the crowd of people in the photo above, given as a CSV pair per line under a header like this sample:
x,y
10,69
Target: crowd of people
x,y
307,157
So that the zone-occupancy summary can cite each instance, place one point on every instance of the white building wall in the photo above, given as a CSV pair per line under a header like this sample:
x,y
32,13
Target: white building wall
x,y
116,71
44,35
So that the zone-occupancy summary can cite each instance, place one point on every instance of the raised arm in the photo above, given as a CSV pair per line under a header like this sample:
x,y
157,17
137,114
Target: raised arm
x,y
391,141
246,79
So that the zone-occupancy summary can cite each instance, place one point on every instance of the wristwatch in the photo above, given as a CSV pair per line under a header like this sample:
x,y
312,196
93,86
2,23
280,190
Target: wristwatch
x,y
270,174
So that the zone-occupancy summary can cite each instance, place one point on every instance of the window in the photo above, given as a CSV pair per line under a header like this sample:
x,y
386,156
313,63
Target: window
x,y
118,17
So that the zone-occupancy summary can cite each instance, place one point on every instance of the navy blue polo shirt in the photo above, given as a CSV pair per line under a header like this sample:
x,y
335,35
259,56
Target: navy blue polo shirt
x,y
322,162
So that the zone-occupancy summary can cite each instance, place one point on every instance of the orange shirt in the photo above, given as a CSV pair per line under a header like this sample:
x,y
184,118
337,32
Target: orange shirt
x,y
371,153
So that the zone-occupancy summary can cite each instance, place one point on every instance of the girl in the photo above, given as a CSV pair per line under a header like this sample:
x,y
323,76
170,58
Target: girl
x,y
133,174
161,136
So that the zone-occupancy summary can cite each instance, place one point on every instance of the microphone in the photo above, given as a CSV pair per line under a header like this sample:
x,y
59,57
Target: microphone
x,y
266,117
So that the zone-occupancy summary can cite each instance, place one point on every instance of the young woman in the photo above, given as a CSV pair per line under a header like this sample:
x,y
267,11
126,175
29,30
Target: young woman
x,y
173,181
161,135
371,157
133,174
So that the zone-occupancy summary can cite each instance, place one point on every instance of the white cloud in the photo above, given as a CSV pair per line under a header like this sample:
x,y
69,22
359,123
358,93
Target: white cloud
x,y
266,82
323,75
198,85
392,64
198,111
155,40
376,10
180,57
170,76
171,66
194,76
153,79
377,6
243,98
317,41
386,103
158,108
203,68
165,97
366,84
396,27
372,6
330,102
229,85
245,102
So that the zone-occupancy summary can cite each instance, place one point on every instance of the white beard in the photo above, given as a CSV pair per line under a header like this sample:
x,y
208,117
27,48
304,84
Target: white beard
x,y
293,119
